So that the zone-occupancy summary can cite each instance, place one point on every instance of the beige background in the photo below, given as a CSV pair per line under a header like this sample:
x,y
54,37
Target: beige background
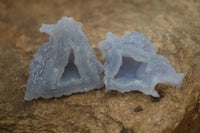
x,y
173,26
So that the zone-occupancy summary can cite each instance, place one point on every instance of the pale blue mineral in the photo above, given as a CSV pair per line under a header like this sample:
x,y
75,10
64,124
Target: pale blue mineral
x,y
132,64
64,65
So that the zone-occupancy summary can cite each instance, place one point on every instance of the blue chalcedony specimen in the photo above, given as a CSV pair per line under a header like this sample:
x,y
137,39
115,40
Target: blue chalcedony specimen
x,y
132,64
64,65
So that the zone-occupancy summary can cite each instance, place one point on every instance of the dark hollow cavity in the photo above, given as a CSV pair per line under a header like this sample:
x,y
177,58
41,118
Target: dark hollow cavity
x,y
71,70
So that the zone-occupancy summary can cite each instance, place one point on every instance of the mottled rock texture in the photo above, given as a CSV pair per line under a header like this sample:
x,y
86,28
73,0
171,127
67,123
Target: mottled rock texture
x,y
173,26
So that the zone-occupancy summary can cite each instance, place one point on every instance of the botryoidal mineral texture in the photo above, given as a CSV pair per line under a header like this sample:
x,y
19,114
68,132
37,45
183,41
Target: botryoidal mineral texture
x,y
64,65
132,64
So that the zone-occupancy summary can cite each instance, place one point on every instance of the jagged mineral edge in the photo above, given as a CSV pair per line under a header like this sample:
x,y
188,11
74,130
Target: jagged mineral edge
x,y
132,64
64,65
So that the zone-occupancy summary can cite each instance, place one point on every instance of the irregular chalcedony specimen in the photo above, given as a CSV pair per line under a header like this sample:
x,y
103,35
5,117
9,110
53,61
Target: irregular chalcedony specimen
x,y
64,65
132,64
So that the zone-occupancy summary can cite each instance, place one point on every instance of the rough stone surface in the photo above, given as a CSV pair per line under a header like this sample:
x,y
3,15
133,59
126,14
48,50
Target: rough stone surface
x,y
64,65
173,26
132,64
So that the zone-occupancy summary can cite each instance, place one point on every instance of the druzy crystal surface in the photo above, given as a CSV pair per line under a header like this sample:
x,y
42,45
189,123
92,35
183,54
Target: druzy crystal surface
x,y
132,64
64,65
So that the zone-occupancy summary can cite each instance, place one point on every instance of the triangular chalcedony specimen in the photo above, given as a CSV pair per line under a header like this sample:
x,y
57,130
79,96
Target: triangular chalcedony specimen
x,y
64,65
132,64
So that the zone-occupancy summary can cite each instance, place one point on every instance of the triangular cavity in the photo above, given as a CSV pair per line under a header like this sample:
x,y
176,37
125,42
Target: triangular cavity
x,y
71,70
